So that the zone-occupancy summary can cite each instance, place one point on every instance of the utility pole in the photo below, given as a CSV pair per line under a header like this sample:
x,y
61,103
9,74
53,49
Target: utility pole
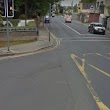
x,y
49,19
72,8
8,12
8,39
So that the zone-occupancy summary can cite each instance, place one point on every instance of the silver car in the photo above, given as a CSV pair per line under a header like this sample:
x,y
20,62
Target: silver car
x,y
96,28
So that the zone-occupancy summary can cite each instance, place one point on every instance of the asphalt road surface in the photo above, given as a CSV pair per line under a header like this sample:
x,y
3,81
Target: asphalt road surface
x,y
75,76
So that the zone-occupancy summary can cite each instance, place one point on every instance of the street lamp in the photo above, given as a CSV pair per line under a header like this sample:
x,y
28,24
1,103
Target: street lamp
x,y
72,8
49,19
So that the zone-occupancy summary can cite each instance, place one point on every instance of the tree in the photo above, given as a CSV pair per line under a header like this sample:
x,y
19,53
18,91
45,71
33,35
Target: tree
x,y
75,8
28,7
1,20
108,9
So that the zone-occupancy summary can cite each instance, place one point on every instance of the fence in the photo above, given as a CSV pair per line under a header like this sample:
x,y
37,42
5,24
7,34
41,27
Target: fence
x,y
34,29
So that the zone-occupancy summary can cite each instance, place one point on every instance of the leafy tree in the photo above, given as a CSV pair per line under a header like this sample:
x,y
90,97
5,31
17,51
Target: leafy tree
x,y
1,20
28,7
108,9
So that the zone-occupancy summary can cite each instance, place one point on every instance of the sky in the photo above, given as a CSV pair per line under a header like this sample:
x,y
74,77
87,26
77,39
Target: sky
x,y
68,2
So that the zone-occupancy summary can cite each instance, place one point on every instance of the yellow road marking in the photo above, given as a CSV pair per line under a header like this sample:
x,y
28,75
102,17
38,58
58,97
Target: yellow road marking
x,y
75,56
100,104
107,74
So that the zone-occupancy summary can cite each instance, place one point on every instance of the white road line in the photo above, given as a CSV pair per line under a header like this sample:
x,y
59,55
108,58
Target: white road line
x,y
103,56
102,38
93,38
89,40
70,27
93,34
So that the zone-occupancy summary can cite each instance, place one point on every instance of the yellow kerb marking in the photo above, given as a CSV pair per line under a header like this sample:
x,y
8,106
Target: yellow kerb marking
x,y
100,104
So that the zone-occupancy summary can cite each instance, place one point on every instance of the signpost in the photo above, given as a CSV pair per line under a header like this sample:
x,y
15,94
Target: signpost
x,y
7,10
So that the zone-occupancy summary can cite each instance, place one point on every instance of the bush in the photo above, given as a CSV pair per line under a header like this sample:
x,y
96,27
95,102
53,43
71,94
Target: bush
x,y
1,21
14,21
23,16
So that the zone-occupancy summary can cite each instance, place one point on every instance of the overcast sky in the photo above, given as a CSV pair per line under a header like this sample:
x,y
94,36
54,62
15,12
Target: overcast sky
x,y
68,2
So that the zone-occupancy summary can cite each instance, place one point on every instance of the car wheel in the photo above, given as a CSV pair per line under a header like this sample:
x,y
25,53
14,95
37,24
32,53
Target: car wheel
x,y
88,30
93,32
103,33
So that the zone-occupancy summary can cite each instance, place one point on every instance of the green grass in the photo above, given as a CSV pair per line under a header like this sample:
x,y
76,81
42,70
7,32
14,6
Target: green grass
x,y
4,43
16,21
31,24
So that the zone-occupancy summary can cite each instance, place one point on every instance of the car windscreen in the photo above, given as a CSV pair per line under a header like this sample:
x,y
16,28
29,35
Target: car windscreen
x,y
98,25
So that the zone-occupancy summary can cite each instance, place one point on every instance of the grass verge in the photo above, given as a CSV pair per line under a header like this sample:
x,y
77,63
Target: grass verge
x,y
4,43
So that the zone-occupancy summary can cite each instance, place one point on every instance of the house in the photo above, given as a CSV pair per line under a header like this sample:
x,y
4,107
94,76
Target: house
x,y
85,7
87,12
101,6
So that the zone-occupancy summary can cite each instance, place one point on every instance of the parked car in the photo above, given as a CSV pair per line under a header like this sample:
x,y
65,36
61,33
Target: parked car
x,y
47,20
96,28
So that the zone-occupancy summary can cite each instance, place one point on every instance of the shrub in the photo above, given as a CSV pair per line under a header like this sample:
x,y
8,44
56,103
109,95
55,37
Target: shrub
x,y
23,16
1,21
14,21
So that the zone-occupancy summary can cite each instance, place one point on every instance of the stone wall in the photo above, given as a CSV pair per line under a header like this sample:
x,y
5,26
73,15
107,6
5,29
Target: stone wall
x,y
19,36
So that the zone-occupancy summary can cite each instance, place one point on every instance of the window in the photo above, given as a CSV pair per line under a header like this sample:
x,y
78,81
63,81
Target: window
x,y
97,4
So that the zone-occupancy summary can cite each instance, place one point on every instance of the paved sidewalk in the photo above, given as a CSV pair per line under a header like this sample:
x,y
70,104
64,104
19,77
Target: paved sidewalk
x,y
43,42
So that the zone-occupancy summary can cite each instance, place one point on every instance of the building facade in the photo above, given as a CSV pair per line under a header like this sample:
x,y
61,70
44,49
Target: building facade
x,y
101,6
86,7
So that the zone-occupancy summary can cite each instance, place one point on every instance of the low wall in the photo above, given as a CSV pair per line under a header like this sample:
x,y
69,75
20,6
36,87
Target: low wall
x,y
14,36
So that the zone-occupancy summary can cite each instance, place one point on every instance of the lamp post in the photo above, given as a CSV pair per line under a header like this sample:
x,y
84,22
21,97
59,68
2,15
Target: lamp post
x,y
49,19
8,39
72,8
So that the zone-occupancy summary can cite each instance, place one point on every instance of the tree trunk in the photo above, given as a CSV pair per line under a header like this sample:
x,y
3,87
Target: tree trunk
x,y
25,12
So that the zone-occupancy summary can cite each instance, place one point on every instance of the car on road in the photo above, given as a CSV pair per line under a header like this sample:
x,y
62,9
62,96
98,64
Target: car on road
x,y
47,20
96,28
53,15
68,20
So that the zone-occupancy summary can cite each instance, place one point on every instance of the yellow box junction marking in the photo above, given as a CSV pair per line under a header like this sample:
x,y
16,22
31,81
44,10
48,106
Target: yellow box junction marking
x,y
100,104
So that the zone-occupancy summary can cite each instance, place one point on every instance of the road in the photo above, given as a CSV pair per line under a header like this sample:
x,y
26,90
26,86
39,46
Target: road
x,y
74,76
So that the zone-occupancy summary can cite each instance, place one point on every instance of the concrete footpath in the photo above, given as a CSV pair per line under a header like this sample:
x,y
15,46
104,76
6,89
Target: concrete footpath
x,y
41,43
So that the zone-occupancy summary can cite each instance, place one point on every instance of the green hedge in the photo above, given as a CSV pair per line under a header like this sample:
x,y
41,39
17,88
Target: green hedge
x,y
14,21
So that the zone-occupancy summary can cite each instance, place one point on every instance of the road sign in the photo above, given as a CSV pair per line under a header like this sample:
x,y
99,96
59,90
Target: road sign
x,y
10,8
7,8
3,8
